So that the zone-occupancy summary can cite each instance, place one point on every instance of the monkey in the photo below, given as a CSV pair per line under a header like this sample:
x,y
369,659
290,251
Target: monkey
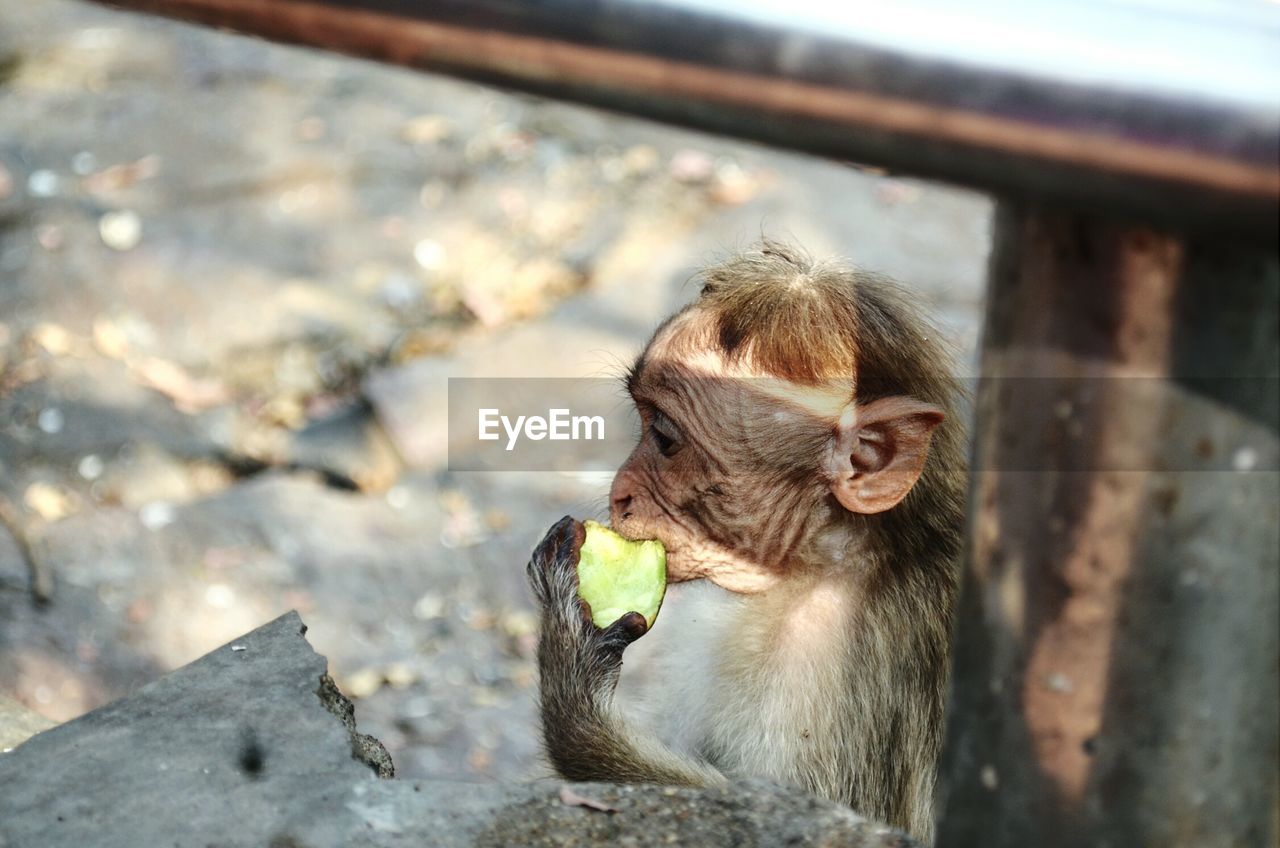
x,y
803,457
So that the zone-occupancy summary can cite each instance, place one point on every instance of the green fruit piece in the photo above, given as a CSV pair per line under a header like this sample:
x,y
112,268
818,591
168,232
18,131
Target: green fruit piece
x,y
617,576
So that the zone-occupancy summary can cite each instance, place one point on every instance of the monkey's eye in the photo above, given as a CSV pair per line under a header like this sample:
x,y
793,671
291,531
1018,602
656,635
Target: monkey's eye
x,y
665,435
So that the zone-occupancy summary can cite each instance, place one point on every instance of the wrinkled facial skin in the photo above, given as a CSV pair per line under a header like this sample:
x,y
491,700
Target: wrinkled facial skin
x,y
726,472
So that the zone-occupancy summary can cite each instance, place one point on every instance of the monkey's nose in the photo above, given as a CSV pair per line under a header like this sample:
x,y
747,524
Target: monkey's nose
x,y
620,499
621,507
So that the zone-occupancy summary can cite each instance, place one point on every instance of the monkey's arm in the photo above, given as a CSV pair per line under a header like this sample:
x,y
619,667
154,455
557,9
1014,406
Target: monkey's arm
x,y
578,665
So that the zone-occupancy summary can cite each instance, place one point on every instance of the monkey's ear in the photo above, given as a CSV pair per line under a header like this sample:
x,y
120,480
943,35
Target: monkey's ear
x,y
879,451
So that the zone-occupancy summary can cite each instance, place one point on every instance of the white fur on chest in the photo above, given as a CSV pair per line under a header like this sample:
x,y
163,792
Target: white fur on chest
x,y
668,676
746,680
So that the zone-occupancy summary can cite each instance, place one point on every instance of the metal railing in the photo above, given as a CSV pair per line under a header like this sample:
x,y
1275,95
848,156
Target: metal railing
x,y
1172,113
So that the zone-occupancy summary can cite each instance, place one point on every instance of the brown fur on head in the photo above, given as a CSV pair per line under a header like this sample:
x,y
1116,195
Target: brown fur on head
x,y
743,396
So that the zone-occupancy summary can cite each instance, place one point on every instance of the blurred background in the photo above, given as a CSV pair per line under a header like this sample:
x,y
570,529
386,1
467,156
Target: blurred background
x,y
234,280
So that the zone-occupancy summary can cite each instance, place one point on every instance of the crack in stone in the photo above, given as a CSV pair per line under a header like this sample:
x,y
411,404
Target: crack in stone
x,y
364,748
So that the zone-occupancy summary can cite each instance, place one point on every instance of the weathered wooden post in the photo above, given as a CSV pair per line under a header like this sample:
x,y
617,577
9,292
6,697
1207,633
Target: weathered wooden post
x,y
1119,635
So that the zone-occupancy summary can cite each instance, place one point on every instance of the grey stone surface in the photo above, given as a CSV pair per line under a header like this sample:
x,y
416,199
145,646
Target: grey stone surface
x,y
252,745
213,748
751,815
17,723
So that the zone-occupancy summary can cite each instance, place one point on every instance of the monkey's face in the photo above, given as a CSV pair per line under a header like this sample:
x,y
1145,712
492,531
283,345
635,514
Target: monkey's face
x,y
727,469
739,473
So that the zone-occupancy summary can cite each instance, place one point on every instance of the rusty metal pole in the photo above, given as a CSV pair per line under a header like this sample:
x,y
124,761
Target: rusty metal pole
x,y
1119,632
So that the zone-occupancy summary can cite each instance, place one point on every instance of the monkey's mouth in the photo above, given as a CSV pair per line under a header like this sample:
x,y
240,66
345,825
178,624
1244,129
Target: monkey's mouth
x,y
681,567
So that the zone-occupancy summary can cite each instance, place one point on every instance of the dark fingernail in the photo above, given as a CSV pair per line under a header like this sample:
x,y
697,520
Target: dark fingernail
x,y
635,624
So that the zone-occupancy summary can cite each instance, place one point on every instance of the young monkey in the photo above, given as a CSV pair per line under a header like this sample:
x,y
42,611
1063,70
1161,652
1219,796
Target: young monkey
x,y
802,450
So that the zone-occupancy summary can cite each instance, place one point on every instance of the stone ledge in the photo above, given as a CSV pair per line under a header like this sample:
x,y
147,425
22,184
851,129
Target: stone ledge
x,y
253,745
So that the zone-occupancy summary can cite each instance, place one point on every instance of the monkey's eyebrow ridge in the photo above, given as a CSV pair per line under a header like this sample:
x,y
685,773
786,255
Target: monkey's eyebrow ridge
x,y
632,377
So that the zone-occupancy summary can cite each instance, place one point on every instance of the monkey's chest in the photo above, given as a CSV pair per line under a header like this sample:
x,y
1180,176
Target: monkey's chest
x,y
730,691
776,721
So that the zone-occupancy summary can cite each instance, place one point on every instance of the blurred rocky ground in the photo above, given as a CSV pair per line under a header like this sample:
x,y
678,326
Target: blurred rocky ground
x,y
234,278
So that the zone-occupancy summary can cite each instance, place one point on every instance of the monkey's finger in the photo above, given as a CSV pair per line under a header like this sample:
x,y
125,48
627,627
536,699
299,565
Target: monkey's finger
x,y
543,574
584,610
562,543
624,631
553,540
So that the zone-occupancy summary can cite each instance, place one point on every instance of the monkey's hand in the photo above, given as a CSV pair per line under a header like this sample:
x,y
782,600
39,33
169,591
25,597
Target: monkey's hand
x,y
570,641
578,665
